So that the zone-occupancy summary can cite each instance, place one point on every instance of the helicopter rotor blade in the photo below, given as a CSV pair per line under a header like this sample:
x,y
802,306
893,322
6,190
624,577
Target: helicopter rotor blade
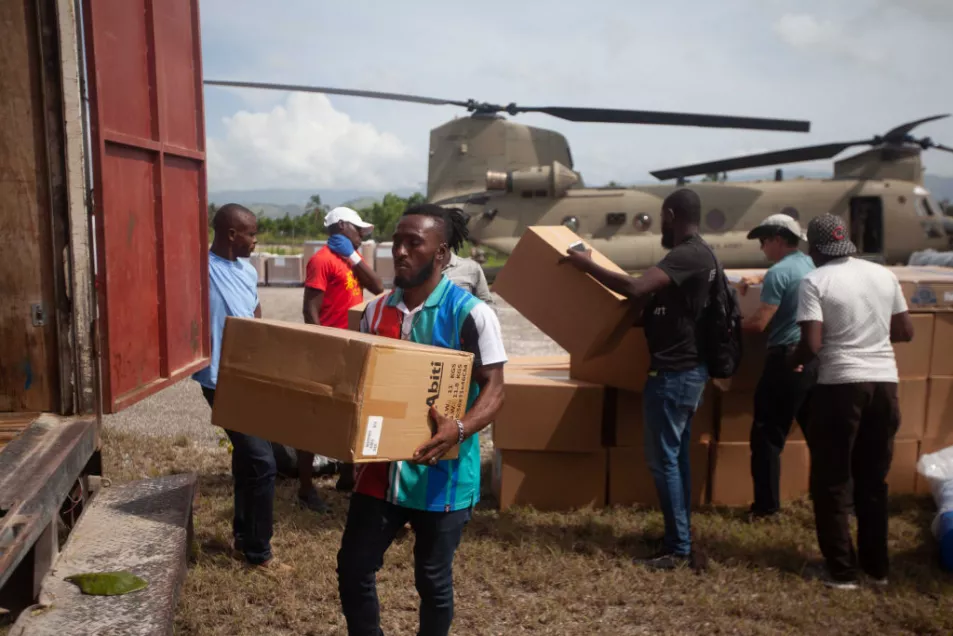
x,y
900,132
398,97
619,116
942,147
778,157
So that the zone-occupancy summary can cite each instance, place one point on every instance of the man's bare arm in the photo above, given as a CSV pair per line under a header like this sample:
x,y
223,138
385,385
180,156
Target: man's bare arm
x,y
648,283
758,321
258,311
312,305
368,278
901,327
810,344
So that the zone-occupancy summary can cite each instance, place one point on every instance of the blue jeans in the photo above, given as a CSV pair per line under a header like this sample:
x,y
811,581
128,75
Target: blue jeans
x,y
670,400
254,471
371,527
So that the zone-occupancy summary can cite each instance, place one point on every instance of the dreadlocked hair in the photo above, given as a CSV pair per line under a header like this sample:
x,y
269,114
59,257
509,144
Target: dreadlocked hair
x,y
454,222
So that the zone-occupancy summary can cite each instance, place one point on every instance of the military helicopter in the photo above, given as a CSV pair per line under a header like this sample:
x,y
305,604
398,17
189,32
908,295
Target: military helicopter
x,y
507,177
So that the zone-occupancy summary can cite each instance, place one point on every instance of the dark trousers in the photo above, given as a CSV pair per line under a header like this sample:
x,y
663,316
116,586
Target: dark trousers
x,y
253,470
371,527
852,432
782,395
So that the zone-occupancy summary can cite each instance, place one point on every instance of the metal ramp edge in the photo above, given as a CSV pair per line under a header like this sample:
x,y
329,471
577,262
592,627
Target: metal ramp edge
x,y
144,527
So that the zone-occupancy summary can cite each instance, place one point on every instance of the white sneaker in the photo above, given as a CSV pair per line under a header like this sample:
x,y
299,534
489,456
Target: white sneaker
x,y
840,585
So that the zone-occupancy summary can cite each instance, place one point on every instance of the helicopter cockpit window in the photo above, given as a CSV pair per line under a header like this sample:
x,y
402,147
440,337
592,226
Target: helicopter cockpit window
x,y
715,219
923,207
572,223
642,222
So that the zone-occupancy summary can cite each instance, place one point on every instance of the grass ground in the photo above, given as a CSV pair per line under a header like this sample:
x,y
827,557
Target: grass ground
x,y
525,572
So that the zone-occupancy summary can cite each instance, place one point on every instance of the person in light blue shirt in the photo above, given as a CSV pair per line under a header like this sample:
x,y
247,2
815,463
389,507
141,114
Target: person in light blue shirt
x,y
233,291
783,393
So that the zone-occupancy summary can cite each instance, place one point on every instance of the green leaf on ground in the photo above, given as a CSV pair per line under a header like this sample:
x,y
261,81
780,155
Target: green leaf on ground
x,y
107,583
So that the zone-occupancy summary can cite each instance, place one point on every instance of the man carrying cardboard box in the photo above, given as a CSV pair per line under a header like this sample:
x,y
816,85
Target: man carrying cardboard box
x,y
850,310
335,282
233,291
783,392
436,496
674,295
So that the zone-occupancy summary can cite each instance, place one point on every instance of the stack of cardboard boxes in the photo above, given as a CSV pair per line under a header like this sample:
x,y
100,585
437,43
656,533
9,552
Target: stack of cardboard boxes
x,y
563,429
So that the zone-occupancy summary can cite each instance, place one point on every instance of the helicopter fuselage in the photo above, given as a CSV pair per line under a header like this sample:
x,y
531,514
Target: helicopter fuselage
x,y
888,219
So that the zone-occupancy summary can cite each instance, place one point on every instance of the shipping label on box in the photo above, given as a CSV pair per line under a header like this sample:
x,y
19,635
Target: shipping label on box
x,y
549,414
349,396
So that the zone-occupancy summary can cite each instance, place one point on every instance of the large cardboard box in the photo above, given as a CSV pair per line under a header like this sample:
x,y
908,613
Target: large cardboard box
x,y
257,261
570,307
549,481
731,483
749,296
939,424
624,410
912,396
941,358
625,366
631,482
736,415
355,313
349,396
902,478
310,248
284,270
913,358
549,414
926,288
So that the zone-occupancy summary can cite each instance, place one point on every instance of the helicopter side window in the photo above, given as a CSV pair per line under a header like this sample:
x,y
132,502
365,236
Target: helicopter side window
x,y
642,222
615,218
866,224
572,223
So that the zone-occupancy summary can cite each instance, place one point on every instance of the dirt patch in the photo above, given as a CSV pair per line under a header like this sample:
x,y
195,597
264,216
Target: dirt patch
x,y
528,572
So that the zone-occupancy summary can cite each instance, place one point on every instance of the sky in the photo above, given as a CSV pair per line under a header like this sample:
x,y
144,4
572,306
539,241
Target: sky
x,y
854,68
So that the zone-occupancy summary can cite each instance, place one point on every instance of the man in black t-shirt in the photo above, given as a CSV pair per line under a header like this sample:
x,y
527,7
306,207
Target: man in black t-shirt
x,y
674,295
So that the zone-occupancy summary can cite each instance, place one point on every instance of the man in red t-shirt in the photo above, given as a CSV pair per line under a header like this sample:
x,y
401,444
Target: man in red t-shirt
x,y
335,281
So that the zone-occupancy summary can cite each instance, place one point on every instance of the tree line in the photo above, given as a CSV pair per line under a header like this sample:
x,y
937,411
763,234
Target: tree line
x,y
310,225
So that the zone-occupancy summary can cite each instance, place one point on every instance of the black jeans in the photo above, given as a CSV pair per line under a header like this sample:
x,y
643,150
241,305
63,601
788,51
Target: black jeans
x,y
782,395
852,431
371,527
253,470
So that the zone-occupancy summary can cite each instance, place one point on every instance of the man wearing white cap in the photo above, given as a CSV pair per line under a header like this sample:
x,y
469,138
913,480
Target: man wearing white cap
x,y
783,393
335,281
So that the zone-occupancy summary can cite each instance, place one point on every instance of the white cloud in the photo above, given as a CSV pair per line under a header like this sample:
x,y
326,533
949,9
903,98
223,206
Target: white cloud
x,y
806,32
305,142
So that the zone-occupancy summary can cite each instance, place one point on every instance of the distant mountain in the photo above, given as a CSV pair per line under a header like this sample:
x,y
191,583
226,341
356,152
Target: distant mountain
x,y
276,202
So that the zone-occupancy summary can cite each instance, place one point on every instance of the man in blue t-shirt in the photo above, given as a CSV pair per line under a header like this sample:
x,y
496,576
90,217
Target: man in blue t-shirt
x,y
782,393
233,291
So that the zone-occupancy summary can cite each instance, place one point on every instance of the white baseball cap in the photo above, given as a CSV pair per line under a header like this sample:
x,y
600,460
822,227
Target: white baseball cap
x,y
347,215
771,225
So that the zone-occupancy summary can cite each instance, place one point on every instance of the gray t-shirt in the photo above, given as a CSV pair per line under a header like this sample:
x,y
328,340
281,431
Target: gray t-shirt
x,y
855,300
468,275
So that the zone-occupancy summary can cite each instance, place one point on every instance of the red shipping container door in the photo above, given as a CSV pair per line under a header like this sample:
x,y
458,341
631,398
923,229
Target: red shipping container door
x,y
144,69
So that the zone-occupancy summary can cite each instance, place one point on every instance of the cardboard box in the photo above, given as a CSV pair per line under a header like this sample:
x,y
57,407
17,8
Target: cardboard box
x,y
902,478
625,366
736,415
913,358
570,307
310,248
941,358
549,481
384,263
631,482
369,253
912,396
624,408
349,396
545,414
749,297
257,261
731,483
926,288
554,363
939,424
284,270
355,313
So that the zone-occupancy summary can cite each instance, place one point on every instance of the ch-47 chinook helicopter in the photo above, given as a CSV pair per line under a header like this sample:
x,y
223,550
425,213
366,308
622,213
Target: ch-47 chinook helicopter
x,y
507,176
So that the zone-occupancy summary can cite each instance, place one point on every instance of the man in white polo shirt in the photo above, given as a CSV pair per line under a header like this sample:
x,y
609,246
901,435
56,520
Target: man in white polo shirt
x,y
850,311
